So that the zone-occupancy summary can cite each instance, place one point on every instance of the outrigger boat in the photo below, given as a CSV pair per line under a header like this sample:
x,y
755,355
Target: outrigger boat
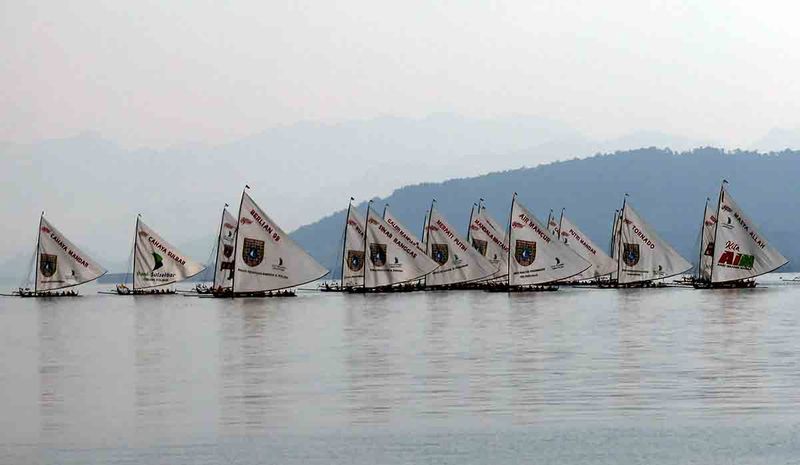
x,y
60,264
265,261
602,266
490,240
223,257
352,259
540,260
733,252
643,259
156,263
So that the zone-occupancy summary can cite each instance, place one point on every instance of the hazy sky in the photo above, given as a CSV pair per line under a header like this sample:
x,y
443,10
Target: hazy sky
x,y
158,73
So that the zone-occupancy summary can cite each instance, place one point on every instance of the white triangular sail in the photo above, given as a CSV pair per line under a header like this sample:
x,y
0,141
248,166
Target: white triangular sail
x,y
707,243
740,250
60,262
156,262
402,231
644,256
602,264
536,256
392,254
223,274
458,261
267,259
489,239
353,256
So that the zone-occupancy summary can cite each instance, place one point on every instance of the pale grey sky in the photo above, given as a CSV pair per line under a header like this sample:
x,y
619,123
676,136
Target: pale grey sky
x,y
160,73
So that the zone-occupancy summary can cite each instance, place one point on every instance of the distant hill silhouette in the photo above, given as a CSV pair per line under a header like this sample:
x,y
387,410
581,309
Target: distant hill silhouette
x,y
668,188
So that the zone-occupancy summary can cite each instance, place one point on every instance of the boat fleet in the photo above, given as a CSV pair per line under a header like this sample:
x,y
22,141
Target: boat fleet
x,y
254,257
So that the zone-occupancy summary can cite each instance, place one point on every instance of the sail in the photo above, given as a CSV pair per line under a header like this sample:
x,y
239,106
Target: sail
x,y
538,257
601,263
156,262
392,256
614,243
267,259
489,238
405,233
458,261
707,243
644,256
740,251
61,263
353,256
223,275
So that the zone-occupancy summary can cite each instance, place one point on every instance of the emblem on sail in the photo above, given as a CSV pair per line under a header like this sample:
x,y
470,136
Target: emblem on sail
x,y
355,260
48,264
630,254
480,246
253,252
377,254
440,253
525,252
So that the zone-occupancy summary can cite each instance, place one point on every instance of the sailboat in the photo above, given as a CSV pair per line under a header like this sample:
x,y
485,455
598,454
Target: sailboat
x,y
156,263
459,262
266,261
536,258
732,249
393,256
577,240
489,239
642,256
60,264
352,259
222,280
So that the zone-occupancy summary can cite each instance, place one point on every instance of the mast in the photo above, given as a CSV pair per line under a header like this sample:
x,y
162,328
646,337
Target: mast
x,y
236,242
135,232
427,233
702,233
508,234
38,244
619,237
560,220
613,232
716,227
366,240
469,225
344,240
219,235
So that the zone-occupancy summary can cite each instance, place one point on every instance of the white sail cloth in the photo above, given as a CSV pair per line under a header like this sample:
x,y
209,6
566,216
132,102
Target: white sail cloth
x,y
156,262
643,255
490,240
353,256
707,243
402,231
61,263
223,275
575,239
458,261
393,256
267,259
740,250
536,256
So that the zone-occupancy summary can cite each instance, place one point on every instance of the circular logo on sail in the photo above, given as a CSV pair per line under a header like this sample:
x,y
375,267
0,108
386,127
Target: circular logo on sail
x,y
253,252
440,253
377,254
630,254
525,252
48,264
355,260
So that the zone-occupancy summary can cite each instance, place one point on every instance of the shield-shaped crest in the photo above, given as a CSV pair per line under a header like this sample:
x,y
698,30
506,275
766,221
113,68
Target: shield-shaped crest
x,y
440,253
525,252
630,254
227,250
48,264
479,245
355,260
377,254
253,252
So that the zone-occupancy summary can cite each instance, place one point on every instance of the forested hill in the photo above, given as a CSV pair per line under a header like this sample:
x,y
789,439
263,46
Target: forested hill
x,y
667,188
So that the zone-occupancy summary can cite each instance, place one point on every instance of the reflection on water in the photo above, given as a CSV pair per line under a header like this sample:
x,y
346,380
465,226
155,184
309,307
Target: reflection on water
x,y
103,371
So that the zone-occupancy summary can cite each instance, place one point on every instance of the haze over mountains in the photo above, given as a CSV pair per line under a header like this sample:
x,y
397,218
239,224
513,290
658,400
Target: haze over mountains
x,y
92,188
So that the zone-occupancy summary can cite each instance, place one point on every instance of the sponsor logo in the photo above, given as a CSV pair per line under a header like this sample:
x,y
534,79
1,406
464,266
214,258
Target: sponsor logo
x,y
480,246
355,260
143,233
630,254
48,264
377,254
159,261
440,253
45,230
228,226
253,251
246,220
727,208
728,224
525,252
474,227
517,225
373,221
732,259
279,266
227,250
433,228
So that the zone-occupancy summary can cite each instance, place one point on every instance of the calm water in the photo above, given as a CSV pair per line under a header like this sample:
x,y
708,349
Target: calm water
x,y
576,376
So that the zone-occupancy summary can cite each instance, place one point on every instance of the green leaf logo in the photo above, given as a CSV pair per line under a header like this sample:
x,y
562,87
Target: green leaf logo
x,y
159,261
